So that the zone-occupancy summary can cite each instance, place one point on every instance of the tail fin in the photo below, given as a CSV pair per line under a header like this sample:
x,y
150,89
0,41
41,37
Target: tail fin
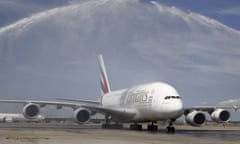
x,y
103,76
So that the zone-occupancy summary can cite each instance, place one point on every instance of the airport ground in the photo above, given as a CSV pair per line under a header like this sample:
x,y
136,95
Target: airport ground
x,y
49,133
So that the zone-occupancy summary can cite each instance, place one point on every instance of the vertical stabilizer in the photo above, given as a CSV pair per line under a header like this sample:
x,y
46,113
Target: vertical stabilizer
x,y
103,76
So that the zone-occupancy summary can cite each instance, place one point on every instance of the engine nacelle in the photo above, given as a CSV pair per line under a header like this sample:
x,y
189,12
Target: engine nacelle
x,y
81,115
220,115
195,118
31,111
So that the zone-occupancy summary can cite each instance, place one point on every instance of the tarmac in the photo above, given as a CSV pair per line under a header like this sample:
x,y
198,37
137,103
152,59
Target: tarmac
x,y
39,133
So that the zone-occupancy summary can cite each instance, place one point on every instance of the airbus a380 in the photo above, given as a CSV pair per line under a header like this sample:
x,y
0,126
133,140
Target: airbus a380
x,y
150,103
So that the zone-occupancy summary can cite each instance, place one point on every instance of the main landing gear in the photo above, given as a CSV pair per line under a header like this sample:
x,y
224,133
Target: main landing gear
x,y
170,127
136,126
152,127
108,125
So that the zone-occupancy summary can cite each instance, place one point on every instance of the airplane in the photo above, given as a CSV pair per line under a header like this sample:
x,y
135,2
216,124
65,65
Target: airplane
x,y
151,102
16,117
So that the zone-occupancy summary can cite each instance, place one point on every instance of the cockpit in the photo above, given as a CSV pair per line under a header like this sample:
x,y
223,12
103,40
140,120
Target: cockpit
x,y
172,97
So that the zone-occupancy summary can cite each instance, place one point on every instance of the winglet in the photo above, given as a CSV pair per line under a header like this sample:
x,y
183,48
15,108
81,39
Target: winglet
x,y
103,76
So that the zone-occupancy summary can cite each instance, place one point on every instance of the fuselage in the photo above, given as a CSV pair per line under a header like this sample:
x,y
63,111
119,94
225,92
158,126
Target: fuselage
x,y
151,102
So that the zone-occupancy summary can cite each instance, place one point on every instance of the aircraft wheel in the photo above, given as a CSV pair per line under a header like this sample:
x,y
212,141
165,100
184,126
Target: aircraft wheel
x,y
112,126
170,129
136,127
152,128
117,126
106,126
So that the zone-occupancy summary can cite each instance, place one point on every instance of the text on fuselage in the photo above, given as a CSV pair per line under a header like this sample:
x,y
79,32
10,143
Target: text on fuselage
x,y
140,96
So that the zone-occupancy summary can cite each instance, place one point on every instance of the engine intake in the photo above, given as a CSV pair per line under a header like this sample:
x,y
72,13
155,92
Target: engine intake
x,y
195,118
220,115
81,115
31,111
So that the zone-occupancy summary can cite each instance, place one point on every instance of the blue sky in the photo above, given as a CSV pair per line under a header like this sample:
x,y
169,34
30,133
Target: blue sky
x,y
48,49
227,12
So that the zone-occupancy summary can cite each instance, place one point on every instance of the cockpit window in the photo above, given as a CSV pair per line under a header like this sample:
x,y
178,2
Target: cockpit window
x,y
172,97
167,97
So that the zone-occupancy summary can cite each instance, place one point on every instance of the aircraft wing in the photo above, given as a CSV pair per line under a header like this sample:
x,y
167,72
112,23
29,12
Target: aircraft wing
x,y
42,103
120,114
79,101
115,113
210,108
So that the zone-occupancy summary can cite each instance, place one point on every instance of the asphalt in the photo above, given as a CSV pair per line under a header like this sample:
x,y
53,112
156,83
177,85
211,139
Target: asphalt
x,y
24,133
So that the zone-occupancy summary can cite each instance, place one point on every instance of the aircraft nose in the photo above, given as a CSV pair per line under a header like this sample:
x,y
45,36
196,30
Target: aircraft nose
x,y
177,108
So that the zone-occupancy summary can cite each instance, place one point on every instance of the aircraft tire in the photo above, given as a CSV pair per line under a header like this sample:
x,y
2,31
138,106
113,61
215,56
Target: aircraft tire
x,y
152,128
136,127
170,129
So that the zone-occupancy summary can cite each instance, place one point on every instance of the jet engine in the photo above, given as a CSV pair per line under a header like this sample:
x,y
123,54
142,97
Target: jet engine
x,y
195,118
31,111
81,115
220,115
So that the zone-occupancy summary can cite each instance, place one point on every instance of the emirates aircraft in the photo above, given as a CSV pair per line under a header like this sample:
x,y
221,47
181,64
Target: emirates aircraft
x,y
151,102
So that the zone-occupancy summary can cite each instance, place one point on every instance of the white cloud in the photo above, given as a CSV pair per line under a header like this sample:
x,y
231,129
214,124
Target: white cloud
x,y
156,34
230,102
140,41
156,31
230,11
191,18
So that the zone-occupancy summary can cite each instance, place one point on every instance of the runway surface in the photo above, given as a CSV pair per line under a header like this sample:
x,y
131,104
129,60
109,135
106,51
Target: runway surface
x,y
21,133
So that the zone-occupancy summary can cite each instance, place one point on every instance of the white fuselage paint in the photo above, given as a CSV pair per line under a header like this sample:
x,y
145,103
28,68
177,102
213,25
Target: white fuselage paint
x,y
148,101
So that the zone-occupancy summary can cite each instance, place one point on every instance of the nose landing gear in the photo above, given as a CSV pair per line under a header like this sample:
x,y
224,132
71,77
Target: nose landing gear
x,y
170,127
